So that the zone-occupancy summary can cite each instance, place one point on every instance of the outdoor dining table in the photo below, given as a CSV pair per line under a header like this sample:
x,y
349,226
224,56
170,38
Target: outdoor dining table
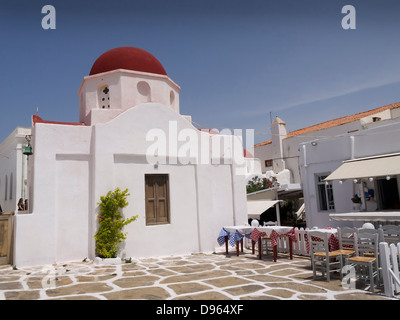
x,y
274,233
235,234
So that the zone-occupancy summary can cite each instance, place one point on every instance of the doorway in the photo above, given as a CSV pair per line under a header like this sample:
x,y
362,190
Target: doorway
x,y
388,194
6,238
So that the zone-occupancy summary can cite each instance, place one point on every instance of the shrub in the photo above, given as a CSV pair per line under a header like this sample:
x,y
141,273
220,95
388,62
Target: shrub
x,y
256,184
111,222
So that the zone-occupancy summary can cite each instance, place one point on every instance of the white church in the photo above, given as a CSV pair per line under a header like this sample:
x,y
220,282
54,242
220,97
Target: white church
x,y
184,183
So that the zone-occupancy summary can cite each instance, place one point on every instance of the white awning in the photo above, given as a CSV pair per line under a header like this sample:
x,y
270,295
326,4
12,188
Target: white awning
x,y
257,207
366,216
379,166
301,210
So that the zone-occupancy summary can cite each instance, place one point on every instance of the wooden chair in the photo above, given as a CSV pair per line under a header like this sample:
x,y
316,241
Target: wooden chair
x,y
266,241
379,231
391,234
366,260
321,259
389,226
271,223
266,244
346,243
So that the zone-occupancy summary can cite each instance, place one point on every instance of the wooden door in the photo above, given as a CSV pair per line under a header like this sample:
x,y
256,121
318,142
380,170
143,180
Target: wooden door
x,y
6,237
157,199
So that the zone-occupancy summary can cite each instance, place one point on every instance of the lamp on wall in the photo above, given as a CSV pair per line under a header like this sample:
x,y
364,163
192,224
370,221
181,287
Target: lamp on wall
x,y
28,149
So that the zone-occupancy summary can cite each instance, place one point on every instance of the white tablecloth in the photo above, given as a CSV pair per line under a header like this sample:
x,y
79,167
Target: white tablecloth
x,y
278,229
242,229
331,231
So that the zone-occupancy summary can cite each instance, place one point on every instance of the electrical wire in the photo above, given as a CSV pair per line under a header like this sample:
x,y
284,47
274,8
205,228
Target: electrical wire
x,y
306,135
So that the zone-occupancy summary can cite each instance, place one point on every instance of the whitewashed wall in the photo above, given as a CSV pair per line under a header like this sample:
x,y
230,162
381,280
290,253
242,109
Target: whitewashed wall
x,y
74,165
329,154
55,230
202,196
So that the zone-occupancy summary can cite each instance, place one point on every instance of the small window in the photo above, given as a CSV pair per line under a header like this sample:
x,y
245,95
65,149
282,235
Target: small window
x,y
104,98
268,163
11,186
325,194
144,90
5,188
157,199
172,99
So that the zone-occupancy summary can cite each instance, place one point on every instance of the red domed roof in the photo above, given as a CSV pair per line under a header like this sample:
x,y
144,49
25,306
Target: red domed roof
x,y
127,58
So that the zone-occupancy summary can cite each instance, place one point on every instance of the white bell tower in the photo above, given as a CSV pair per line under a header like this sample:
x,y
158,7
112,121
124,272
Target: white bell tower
x,y
121,79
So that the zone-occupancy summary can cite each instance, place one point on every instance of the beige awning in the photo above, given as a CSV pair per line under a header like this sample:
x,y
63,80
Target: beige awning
x,y
257,207
379,166
366,216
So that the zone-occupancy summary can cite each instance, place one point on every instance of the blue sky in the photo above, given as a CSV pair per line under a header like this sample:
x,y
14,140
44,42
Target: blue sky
x,y
237,62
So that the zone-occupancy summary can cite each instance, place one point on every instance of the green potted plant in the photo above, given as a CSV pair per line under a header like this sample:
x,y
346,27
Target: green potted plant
x,y
356,202
111,222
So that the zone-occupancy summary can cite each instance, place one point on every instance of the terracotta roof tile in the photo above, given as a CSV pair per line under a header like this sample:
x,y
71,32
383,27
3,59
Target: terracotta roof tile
x,y
335,122
262,143
37,119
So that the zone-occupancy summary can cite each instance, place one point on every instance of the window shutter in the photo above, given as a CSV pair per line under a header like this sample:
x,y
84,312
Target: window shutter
x,y
151,217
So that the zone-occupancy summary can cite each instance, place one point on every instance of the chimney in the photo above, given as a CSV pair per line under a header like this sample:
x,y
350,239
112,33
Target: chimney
x,y
278,131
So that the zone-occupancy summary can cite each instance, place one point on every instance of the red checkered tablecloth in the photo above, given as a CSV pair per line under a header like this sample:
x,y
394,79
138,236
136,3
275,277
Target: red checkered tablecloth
x,y
332,240
256,235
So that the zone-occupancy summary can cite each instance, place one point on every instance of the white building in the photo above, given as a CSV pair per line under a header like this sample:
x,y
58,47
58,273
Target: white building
x,y
365,163
280,156
130,135
13,169
282,152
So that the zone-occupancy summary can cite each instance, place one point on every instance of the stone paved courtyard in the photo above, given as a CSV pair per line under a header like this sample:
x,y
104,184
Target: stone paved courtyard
x,y
191,277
